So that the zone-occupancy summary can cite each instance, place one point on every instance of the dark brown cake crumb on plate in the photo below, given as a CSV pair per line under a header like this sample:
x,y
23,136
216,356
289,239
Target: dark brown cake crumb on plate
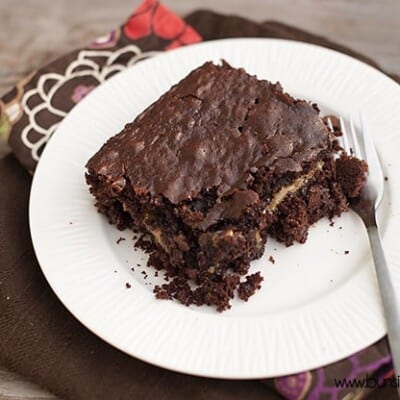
x,y
271,260
250,285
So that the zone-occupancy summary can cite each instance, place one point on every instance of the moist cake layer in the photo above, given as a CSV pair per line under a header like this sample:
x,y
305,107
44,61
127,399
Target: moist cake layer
x,y
212,168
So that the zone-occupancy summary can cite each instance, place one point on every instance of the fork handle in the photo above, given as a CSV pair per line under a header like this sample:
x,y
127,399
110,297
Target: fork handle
x,y
388,296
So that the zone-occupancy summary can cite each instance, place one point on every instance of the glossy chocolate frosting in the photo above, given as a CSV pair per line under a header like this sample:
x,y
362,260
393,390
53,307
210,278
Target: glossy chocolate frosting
x,y
210,131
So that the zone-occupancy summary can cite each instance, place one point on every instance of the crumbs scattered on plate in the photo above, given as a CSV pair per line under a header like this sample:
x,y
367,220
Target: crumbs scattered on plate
x,y
271,259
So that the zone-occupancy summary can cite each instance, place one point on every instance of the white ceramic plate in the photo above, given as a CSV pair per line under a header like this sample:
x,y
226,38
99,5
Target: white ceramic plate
x,y
317,304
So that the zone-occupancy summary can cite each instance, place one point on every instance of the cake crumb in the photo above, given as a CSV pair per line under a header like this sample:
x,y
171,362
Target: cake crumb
x,y
144,273
386,178
247,288
70,222
133,269
120,240
346,252
115,271
162,293
271,260
128,285
332,223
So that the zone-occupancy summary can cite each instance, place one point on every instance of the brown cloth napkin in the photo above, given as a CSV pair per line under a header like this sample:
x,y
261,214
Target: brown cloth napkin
x,y
40,339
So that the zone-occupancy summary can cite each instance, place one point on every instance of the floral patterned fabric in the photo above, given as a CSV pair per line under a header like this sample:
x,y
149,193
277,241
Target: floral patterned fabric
x,y
351,378
32,110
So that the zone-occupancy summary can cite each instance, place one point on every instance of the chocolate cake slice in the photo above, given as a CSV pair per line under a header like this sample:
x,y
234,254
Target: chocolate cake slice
x,y
218,163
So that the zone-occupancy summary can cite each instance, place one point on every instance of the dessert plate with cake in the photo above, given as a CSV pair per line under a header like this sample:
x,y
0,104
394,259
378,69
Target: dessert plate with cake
x,y
195,210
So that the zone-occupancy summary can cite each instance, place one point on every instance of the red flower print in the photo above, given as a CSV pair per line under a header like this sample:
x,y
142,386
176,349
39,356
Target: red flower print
x,y
139,23
152,17
173,45
166,24
188,36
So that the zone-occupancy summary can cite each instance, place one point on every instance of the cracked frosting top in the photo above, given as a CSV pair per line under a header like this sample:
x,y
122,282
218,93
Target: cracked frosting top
x,y
213,129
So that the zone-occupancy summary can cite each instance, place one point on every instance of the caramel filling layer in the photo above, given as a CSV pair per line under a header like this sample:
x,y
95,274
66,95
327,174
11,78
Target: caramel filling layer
x,y
293,187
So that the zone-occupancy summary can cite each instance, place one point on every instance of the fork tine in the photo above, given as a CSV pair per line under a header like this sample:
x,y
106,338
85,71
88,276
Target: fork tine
x,y
375,172
369,148
329,123
356,145
345,139
371,156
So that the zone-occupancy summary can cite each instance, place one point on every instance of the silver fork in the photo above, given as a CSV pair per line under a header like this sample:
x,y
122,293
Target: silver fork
x,y
360,144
